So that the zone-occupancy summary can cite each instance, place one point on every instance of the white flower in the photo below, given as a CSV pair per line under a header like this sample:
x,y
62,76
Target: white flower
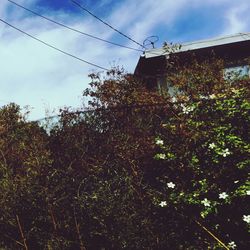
x,y
203,214
161,156
246,218
212,96
170,184
211,145
203,97
159,142
223,195
248,192
186,110
206,202
225,152
163,204
236,181
174,99
232,245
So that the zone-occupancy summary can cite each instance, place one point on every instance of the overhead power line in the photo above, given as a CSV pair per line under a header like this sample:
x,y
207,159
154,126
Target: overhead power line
x,y
53,47
116,30
73,29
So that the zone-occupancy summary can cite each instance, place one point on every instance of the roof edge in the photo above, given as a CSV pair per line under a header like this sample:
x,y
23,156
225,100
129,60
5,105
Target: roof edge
x,y
239,37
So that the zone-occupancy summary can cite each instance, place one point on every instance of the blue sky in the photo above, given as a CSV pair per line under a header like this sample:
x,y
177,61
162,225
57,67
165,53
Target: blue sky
x,y
32,74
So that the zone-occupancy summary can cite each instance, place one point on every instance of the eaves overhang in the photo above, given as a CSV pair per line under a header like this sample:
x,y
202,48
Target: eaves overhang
x,y
237,38
153,61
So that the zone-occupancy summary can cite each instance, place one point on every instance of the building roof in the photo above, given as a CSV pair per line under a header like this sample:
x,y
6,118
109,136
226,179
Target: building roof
x,y
240,37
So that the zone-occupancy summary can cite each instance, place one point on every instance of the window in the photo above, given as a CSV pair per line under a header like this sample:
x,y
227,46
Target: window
x,y
237,72
165,87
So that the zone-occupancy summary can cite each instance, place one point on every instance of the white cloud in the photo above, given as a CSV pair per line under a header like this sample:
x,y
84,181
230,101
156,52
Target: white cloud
x,y
237,19
140,18
31,73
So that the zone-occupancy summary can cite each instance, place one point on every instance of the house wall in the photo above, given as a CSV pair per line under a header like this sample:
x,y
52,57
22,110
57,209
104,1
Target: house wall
x,y
152,71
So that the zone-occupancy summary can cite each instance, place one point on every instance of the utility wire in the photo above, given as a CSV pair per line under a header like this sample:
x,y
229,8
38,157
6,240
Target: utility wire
x,y
53,47
81,7
136,106
72,29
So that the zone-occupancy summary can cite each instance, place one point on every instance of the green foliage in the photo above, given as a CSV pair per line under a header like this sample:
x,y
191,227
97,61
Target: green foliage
x,y
209,138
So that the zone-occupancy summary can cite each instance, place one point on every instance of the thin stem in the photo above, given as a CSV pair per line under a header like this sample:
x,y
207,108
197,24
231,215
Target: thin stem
x,y
53,218
211,234
18,242
21,232
206,230
82,247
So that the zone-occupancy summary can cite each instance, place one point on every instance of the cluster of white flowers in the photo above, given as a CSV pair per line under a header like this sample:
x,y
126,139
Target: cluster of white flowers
x,y
213,96
159,142
170,184
212,145
223,195
248,192
206,97
186,110
225,152
206,202
161,156
246,218
163,204
232,245
174,99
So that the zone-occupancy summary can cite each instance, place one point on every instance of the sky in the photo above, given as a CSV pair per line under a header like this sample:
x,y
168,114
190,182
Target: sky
x,y
34,75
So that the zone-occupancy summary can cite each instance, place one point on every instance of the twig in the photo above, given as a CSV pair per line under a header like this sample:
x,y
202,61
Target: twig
x,y
18,242
211,234
21,232
4,159
206,230
53,218
82,247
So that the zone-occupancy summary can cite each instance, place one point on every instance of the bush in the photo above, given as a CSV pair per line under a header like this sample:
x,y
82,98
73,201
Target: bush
x,y
139,170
